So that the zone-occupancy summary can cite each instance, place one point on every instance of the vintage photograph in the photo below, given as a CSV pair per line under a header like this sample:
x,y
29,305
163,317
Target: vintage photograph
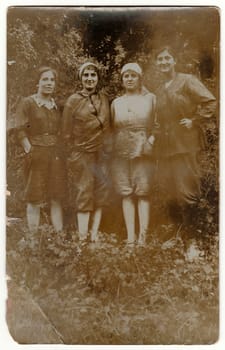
x,y
112,233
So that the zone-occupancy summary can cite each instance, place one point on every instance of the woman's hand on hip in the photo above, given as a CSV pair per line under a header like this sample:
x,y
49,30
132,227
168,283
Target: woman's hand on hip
x,y
26,145
186,122
151,139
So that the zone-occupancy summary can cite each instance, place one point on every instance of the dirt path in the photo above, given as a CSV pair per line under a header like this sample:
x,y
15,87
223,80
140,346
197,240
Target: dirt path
x,y
27,322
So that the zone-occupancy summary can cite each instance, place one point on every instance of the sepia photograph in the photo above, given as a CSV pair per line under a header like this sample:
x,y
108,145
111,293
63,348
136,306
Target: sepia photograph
x,y
112,167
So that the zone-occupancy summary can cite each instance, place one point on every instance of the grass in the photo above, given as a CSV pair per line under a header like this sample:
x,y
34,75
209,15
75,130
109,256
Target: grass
x,y
108,294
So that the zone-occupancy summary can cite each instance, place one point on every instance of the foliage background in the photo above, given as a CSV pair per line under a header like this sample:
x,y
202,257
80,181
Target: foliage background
x,y
64,38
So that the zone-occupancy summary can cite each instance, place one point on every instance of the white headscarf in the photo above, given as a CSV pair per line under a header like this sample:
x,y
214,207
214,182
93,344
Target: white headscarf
x,y
85,65
132,66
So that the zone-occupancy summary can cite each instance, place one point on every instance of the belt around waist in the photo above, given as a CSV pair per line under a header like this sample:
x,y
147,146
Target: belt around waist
x,y
132,128
43,140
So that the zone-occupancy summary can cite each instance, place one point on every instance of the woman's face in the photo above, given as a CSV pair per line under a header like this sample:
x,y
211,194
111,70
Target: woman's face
x,y
89,79
165,62
131,81
46,84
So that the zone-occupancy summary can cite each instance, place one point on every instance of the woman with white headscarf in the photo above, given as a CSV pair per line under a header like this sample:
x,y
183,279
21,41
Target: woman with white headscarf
x,y
133,116
85,125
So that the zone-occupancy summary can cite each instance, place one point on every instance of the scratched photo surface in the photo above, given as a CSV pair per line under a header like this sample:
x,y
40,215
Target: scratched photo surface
x,y
112,175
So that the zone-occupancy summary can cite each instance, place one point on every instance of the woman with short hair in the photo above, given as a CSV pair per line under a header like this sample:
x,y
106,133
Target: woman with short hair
x,y
183,104
38,122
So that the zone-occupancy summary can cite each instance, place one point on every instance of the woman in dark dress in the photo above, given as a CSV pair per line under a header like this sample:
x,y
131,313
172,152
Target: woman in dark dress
x,y
85,126
183,104
38,123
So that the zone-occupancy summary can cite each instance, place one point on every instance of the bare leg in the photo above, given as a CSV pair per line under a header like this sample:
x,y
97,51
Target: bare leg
x,y
96,219
33,217
83,221
56,215
143,214
129,217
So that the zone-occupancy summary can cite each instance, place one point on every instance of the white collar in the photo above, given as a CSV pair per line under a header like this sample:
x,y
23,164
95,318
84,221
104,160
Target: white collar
x,y
50,104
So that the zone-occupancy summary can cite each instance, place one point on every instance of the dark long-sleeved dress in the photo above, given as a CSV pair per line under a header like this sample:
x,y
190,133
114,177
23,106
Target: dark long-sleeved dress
x,y
85,126
178,146
44,166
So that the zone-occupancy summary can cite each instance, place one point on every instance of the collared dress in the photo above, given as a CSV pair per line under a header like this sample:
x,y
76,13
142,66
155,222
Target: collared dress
x,y
133,121
45,173
85,130
178,146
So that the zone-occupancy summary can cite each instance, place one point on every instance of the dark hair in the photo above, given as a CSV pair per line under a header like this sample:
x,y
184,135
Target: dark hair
x,y
44,69
163,48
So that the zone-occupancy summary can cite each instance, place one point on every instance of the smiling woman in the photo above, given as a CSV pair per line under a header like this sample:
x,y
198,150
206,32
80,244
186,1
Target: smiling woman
x,y
38,124
165,60
85,126
183,104
46,84
89,78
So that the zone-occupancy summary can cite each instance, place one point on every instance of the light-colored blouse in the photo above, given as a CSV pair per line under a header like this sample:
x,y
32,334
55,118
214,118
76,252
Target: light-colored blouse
x,y
133,118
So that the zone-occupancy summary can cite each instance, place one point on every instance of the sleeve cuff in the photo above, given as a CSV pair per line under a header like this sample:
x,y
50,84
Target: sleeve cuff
x,y
21,135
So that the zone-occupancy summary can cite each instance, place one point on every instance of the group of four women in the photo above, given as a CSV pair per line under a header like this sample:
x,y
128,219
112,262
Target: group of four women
x,y
136,130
